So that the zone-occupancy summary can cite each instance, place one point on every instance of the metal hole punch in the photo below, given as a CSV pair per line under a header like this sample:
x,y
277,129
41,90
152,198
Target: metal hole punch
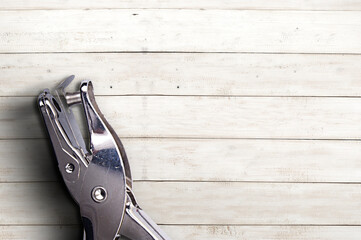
x,y
98,177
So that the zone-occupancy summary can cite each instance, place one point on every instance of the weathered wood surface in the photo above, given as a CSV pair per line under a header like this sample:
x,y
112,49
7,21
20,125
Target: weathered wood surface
x,y
203,160
183,232
209,203
40,232
175,30
256,134
350,5
186,73
205,117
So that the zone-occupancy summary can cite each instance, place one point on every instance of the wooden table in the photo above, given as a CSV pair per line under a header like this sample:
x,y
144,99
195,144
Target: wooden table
x,y
241,119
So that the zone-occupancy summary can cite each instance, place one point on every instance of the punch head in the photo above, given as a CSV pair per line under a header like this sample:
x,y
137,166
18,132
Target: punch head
x,y
98,179
63,142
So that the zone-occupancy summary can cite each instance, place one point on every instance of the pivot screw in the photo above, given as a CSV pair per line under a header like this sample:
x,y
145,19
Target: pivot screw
x,y
69,168
99,194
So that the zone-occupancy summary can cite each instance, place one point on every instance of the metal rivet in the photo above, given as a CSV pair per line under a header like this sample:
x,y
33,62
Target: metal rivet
x,y
99,194
73,98
69,168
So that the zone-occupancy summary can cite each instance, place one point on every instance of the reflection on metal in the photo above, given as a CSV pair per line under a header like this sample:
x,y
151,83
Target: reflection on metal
x,y
98,177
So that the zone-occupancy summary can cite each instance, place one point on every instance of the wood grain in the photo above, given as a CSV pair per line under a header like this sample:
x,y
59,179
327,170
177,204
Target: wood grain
x,y
208,203
204,117
203,160
40,232
240,118
185,4
174,30
262,232
197,232
186,73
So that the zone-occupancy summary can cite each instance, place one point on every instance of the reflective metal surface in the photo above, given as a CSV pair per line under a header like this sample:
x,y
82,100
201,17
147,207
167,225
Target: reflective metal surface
x,y
98,178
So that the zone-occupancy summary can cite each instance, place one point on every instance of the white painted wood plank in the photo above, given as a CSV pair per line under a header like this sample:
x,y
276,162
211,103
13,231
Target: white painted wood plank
x,y
40,232
203,160
186,73
197,232
180,30
251,203
185,4
198,203
37,204
205,117
263,232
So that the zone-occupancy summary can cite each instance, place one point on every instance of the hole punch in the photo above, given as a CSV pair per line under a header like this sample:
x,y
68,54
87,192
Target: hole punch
x,y
98,177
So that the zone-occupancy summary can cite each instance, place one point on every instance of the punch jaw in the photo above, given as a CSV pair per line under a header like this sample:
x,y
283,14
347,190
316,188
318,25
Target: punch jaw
x,y
98,177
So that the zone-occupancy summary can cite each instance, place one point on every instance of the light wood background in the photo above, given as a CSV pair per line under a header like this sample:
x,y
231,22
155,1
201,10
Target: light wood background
x,y
241,119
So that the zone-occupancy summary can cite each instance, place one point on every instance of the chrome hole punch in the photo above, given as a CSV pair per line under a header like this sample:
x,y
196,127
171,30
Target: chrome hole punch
x,y
98,178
